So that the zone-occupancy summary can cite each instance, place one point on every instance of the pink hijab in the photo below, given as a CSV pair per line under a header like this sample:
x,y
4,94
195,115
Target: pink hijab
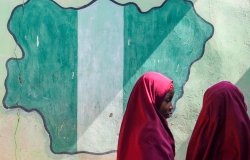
x,y
222,131
144,133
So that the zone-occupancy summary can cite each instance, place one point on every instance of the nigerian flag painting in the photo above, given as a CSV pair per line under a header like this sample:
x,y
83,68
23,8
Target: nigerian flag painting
x,y
79,64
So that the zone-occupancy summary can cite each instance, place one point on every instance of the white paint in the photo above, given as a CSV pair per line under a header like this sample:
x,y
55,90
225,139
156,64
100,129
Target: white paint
x,y
177,68
129,40
103,133
37,41
100,75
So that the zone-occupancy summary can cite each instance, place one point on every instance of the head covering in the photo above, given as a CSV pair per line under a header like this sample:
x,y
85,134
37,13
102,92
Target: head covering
x,y
222,131
144,133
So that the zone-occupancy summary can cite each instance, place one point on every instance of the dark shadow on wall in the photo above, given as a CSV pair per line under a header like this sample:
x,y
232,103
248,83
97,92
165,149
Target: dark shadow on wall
x,y
244,84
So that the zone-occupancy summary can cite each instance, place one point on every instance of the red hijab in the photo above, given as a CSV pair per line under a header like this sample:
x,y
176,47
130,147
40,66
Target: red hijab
x,y
144,133
222,131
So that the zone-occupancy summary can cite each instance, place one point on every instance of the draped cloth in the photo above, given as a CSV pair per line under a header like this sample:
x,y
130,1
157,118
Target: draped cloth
x,y
222,131
144,133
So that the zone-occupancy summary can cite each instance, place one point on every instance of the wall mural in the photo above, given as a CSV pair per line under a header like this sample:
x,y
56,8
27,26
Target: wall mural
x,y
78,64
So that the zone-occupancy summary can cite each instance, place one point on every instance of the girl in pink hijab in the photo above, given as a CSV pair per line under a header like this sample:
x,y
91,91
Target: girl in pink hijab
x,y
222,131
144,133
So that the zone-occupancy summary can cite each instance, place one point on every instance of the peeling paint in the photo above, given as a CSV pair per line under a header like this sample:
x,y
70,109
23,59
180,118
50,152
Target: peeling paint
x,y
37,41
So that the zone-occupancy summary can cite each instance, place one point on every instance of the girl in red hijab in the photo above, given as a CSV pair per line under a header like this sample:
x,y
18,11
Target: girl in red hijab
x,y
144,133
222,131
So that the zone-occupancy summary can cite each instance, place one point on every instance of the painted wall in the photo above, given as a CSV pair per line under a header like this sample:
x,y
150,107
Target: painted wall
x,y
68,68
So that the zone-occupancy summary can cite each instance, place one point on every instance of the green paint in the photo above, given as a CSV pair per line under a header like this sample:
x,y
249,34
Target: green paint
x,y
43,79
167,40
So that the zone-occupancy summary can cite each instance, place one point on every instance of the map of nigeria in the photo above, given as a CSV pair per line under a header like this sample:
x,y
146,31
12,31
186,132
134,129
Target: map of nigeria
x,y
79,65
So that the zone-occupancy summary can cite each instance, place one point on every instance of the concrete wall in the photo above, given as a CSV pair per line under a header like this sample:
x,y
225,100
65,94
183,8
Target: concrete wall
x,y
68,68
